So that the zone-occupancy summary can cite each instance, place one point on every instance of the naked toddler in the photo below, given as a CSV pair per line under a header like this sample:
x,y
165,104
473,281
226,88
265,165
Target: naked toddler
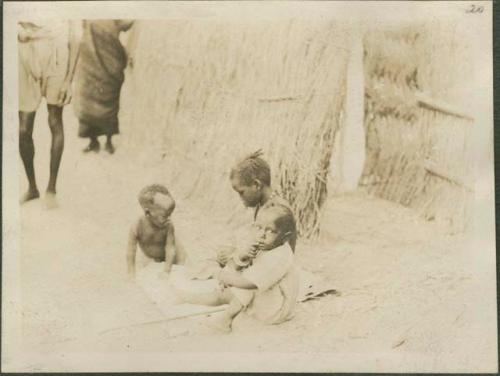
x,y
154,231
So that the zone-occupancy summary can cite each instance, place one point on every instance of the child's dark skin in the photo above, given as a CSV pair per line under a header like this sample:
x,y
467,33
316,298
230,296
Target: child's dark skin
x,y
154,232
257,193
268,237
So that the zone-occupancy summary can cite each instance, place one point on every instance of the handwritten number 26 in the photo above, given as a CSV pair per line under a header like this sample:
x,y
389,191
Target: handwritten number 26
x,y
475,9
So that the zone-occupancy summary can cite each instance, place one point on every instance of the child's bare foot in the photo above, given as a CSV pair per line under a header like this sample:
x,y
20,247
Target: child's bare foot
x,y
221,324
31,194
50,201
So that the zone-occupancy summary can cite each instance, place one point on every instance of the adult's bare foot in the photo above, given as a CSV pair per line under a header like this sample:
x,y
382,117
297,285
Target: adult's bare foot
x,y
93,146
50,201
109,147
31,194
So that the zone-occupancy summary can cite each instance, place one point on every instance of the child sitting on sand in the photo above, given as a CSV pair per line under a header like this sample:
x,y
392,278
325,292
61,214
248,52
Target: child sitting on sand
x,y
154,231
251,179
266,287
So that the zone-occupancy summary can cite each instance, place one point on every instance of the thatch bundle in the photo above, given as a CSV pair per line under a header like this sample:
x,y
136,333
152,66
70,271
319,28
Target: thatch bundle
x,y
204,93
418,148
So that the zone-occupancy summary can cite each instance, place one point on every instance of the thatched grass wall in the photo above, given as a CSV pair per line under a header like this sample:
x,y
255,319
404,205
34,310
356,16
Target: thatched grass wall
x,y
418,130
203,93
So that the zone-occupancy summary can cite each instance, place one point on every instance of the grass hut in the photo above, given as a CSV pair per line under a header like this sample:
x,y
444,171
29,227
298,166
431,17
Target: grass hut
x,y
204,93
418,131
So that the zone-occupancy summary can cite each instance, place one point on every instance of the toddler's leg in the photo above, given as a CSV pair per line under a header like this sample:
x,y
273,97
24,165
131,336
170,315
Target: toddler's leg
x,y
232,310
223,323
216,297
208,299
237,302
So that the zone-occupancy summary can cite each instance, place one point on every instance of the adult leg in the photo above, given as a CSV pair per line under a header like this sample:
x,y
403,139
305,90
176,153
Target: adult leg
x,y
93,145
27,151
56,150
109,144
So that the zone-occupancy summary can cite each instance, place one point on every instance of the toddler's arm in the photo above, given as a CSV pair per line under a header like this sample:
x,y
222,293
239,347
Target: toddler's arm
x,y
231,277
242,259
170,248
224,254
231,264
132,249
237,263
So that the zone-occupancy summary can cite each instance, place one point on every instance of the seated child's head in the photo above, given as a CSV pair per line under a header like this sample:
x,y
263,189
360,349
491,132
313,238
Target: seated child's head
x,y
275,226
157,204
248,178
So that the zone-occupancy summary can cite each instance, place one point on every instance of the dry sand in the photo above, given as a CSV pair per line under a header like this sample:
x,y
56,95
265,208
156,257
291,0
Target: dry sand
x,y
406,286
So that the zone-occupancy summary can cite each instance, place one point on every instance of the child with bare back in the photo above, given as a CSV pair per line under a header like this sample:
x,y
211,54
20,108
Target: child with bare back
x,y
154,231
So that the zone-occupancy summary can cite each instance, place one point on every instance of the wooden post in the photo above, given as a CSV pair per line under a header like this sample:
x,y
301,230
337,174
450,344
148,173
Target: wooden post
x,y
352,154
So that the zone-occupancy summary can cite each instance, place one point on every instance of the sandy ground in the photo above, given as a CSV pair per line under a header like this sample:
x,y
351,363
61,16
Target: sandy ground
x,y
406,288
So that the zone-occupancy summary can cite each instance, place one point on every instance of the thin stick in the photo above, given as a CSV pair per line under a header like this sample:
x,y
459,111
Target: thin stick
x,y
431,168
213,310
427,102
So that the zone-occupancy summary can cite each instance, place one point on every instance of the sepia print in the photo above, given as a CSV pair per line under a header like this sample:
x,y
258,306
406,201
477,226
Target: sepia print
x,y
248,186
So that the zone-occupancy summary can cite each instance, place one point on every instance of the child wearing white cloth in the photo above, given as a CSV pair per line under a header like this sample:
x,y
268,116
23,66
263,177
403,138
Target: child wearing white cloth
x,y
261,281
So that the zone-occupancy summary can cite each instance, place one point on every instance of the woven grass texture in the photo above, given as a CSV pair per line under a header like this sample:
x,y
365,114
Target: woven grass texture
x,y
418,131
203,94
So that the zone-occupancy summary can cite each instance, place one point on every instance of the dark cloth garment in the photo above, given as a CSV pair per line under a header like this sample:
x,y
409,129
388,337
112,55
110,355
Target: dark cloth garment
x,y
99,77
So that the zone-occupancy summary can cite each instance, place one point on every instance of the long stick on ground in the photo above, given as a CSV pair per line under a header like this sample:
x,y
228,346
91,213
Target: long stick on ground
x,y
172,318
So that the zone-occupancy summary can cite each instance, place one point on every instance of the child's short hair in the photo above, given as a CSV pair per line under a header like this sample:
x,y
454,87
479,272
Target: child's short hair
x,y
147,196
252,167
284,221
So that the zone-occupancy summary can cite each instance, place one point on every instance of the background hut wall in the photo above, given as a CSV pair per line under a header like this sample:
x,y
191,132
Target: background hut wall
x,y
204,93
418,132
